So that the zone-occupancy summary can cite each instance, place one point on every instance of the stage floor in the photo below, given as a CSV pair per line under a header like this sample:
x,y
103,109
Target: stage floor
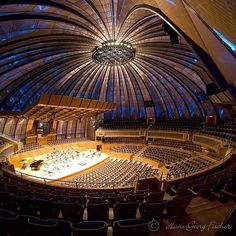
x,y
64,163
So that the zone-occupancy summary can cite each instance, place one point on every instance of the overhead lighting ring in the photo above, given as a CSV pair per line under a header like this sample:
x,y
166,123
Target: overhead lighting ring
x,y
113,53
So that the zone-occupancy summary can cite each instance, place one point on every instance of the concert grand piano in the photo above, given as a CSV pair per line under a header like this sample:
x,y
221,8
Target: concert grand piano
x,y
36,165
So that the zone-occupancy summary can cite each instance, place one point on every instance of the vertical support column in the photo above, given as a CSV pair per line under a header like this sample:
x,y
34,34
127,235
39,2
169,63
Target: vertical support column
x,y
30,135
90,128
86,128
54,127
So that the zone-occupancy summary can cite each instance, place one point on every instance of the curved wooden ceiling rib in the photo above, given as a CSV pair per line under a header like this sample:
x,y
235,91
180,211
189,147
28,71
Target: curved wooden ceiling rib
x,y
47,48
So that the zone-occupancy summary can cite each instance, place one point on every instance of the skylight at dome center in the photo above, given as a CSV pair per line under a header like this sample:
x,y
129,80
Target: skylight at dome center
x,y
113,53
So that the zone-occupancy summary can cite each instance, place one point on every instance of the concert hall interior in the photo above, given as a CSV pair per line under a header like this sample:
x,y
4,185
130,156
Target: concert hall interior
x,y
117,117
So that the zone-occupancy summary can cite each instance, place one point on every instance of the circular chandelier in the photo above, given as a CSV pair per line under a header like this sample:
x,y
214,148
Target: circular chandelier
x,y
113,53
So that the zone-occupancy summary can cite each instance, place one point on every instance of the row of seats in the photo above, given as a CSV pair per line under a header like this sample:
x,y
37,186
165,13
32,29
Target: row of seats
x,y
28,147
212,154
43,204
217,133
221,183
65,141
226,130
72,209
188,145
222,129
185,145
127,149
124,124
47,203
124,140
68,135
164,155
17,224
229,124
16,189
170,124
178,125
187,167
113,173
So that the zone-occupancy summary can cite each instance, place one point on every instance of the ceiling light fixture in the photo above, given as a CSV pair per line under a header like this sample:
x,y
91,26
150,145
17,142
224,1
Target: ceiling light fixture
x,y
113,53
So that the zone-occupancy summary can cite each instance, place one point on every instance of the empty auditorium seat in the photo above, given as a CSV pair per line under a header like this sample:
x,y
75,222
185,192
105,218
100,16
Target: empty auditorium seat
x,y
179,204
72,211
164,155
150,210
45,208
22,226
98,211
126,149
112,140
190,125
99,199
124,124
23,205
229,190
28,147
4,199
125,210
205,188
113,199
64,226
89,228
182,188
114,173
185,145
130,227
136,197
8,221
65,141
39,227
155,196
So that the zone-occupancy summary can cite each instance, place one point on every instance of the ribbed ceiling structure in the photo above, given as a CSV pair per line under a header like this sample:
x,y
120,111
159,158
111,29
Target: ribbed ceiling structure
x,y
46,47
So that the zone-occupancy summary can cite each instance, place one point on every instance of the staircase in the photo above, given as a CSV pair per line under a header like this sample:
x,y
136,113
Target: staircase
x,y
137,154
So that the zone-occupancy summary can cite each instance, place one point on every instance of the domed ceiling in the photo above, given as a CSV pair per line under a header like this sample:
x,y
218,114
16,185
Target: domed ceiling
x,y
49,46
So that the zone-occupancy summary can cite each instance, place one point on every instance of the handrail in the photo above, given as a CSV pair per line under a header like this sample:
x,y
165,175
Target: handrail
x,y
228,226
48,181
207,169
9,138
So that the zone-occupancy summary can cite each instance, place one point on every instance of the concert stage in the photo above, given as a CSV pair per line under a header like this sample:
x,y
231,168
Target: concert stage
x,y
59,164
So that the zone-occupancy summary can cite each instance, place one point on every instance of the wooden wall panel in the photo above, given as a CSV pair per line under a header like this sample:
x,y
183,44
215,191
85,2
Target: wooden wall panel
x,y
59,129
93,104
54,126
21,129
55,100
10,127
70,129
44,99
76,102
85,103
2,124
65,101
29,126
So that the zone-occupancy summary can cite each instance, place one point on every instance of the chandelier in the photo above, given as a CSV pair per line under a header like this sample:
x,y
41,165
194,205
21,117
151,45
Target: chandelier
x,y
113,53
